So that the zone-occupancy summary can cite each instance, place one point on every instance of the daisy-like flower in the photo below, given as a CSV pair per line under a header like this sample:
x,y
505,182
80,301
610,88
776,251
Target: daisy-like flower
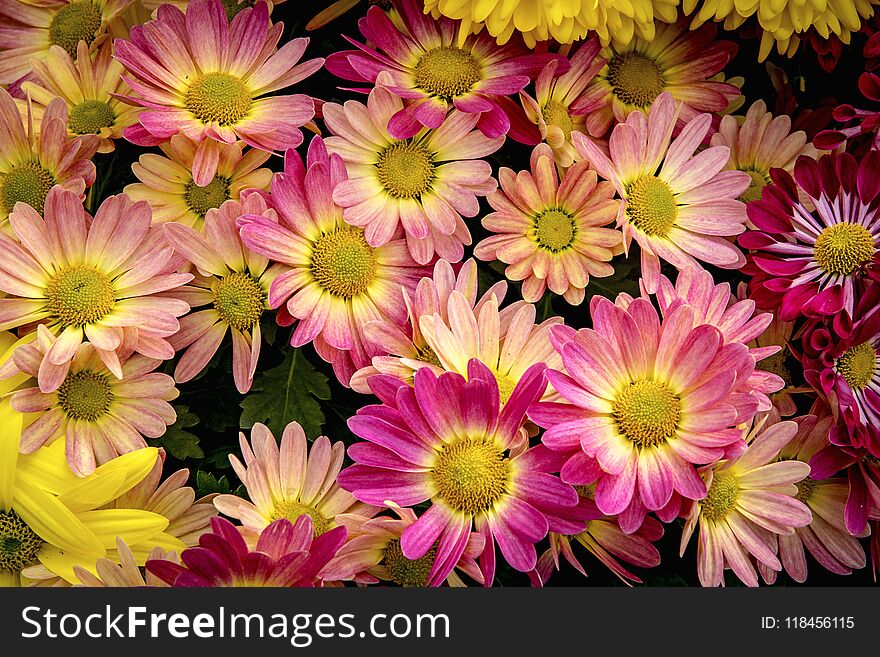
x,y
860,125
87,87
552,233
761,142
31,164
433,72
337,282
31,29
89,279
425,184
779,334
125,574
678,61
373,554
208,77
98,416
677,205
285,555
750,500
862,470
234,280
167,184
289,482
647,402
808,260
447,441
231,7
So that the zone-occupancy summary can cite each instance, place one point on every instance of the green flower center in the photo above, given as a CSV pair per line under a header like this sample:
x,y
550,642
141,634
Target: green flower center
x,y
760,180
554,230
89,117
408,572
651,206
721,497
233,7
19,544
80,295
85,395
775,364
858,365
447,72
218,98
28,183
471,475
635,79
78,21
405,169
556,113
212,195
293,510
239,299
647,413
843,248
428,355
343,263
805,489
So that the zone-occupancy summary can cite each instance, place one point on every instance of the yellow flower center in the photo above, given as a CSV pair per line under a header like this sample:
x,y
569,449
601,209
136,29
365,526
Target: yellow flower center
x,y
843,248
554,230
805,489
80,295
89,117
78,21
447,72
406,170
232,7
760,180
647,412
428,355
721,497
218,98
19,544
85,395
506,386
556,113
212,195
239,299
28,183
343,263
858,365
635,79
293,510
471,475
651,206
407,572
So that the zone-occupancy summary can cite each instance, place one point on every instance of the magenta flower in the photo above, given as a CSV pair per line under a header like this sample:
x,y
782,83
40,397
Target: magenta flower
x,y
859,124
863,474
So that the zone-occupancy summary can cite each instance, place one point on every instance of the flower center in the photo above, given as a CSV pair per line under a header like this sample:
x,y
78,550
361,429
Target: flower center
x,y
19,544
78,21
506,386
407,572
843,248
760,180
293,510
635,79
651,206
239,299
29,183
85,395
554,230
218,98
212,195
89,116
343,263
721,497
232,7
775,364
405,169
555,113
447,72
428,355
858,365
805,489
80,295
647,413
471,475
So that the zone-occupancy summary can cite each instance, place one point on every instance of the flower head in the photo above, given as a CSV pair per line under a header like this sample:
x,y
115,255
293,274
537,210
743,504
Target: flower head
x,y
861,126
125,574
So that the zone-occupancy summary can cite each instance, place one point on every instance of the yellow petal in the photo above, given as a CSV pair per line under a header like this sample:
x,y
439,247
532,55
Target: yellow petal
x,y
10,437
135,465
93,492
62,562
132,525
48,466
142,550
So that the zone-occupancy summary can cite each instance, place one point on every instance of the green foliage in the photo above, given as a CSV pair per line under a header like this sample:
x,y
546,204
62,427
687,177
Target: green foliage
x,y
207,483
177,441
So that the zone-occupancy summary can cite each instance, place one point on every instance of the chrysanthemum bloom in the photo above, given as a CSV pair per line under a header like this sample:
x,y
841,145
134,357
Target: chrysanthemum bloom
x,y
750,498
678,206
167,182
337,282
677,61
552,233
30,165
433,72
406,347
98,415
808,261
235,282
32,28
125,574
86,86
447,441
204,77
424,184
759,143
94,280
373,554
860,125
285,555
231,7
863,474
647,402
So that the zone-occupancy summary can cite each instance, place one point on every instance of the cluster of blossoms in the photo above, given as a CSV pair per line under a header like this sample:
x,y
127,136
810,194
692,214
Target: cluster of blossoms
x,y
670,322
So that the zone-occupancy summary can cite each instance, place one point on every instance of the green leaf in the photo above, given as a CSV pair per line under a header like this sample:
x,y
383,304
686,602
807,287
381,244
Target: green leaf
x,y
287,393
207,483
179,442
